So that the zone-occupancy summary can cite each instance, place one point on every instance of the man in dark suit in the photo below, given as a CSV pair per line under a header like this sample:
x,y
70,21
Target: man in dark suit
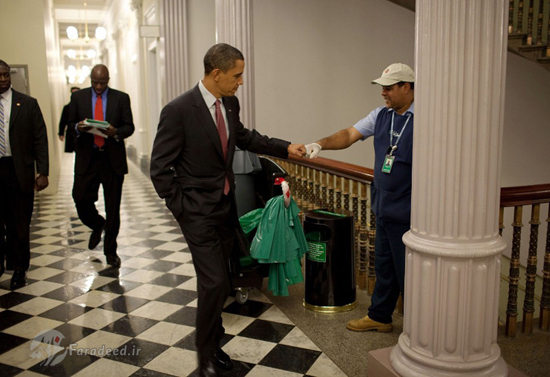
x,y
63,124
100,157
23,143
191,168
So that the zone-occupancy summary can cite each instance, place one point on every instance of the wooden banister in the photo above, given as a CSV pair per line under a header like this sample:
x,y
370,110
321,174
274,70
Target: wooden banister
x,y
524,195
342,169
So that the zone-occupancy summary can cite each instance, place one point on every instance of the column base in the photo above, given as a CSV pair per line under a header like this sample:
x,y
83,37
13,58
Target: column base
x,y
408,363
379,365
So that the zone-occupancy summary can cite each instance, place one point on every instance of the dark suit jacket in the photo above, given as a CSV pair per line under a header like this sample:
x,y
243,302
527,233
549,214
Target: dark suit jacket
x,y
63,123
187,164
118,114
28,140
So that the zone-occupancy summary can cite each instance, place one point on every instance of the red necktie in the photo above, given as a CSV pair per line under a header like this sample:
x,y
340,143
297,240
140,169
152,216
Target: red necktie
x,y
98,115
223,138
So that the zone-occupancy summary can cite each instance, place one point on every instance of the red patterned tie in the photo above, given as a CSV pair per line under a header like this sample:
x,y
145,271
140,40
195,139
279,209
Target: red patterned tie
x,y
98,115
223,138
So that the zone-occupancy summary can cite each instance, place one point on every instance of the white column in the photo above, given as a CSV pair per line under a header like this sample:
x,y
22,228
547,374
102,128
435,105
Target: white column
x,y
234,27
453,247
174,47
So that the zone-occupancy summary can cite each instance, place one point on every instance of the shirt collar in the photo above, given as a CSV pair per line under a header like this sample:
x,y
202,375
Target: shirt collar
x,y
208,97
103,95
409,110
7,95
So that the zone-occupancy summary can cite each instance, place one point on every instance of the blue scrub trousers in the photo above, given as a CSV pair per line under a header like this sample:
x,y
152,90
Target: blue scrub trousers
x,y
389,266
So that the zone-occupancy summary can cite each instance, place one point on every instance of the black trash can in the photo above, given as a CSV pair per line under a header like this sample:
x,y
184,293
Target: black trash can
x,y
330,261
245,166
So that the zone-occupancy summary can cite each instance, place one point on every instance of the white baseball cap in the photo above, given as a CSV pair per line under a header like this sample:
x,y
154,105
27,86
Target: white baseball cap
x,y
397,72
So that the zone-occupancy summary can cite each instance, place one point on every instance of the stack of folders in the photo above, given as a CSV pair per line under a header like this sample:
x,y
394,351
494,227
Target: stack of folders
x,y
96,123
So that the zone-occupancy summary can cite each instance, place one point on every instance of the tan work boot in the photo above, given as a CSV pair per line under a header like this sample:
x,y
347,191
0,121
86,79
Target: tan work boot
x,y
367,324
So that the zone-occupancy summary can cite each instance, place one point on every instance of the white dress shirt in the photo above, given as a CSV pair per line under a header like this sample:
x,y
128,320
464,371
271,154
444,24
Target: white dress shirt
x,y
6,102
210,101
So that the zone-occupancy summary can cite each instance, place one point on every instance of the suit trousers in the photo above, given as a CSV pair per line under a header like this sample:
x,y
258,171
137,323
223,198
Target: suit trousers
x,y
85,194
210,239
389,266
15,218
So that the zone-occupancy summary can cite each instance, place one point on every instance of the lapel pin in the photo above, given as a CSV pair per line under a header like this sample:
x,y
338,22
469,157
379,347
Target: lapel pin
x,y
18,104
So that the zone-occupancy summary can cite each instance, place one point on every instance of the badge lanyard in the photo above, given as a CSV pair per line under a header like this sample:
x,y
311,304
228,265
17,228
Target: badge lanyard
x,y
388,161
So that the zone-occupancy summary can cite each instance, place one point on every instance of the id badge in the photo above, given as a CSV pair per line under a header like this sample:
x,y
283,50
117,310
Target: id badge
x,y
388,164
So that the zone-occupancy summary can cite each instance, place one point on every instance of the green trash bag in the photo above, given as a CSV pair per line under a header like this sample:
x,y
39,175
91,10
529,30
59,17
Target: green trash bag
x,y
280,241
249,221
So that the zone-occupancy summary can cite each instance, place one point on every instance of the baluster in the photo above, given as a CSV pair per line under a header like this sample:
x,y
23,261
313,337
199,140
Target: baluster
x,y
520,17
544,319
531,273
299,188
355,207
354,189
372,237
331,205
305,195
294,184
311,191
318,181
346,194
501,221
363,241
339,192
512,308
292,169
539,23
324,190
511,17
530,24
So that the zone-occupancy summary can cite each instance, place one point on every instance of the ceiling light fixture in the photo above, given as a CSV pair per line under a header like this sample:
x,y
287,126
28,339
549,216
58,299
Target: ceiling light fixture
x,y
100,31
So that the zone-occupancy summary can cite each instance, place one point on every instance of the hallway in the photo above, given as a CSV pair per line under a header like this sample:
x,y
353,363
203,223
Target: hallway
x,y
144,312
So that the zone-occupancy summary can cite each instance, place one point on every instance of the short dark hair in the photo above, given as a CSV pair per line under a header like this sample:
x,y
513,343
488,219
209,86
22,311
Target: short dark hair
x,y
221,56
401,83
4,64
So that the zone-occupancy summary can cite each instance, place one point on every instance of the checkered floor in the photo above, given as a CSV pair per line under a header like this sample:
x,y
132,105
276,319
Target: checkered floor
x,y
78,316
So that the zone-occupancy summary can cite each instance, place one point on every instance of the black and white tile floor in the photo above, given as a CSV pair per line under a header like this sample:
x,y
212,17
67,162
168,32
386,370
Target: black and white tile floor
x,y
78,316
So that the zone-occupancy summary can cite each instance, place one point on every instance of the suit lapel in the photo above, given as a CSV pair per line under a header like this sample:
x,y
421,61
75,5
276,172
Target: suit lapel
x,y
16,104
205,120
229,112
88,104
111,98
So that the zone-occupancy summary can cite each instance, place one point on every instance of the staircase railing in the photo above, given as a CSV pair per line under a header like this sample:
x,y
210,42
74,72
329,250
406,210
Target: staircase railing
x,y
518,198
326,183
529,29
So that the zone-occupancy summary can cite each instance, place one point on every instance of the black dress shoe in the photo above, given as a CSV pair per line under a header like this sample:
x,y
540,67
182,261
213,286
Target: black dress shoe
x,y
206,369
18,280
223,361
95,237
113,260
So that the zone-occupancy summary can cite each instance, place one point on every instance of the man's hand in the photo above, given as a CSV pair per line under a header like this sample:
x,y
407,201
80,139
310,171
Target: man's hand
x,y
62,137
82,127
41,182
298,150
312,150
111,131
